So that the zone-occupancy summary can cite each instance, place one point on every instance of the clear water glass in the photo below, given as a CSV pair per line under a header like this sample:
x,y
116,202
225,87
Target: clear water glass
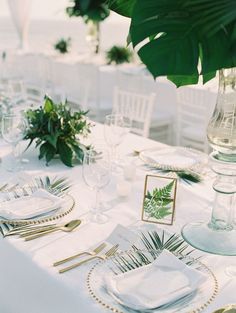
x,y
96,174
14,127
116,127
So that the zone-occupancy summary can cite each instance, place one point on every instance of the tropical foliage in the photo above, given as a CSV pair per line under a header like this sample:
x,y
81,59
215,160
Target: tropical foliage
x,y
119,55
153,244
63,45
157,203
89,10
182,39
186,176
55,129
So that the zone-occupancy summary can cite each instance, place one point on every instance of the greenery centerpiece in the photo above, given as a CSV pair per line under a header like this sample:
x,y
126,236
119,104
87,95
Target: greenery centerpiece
x,y
119,55
93,13
56,129
63,45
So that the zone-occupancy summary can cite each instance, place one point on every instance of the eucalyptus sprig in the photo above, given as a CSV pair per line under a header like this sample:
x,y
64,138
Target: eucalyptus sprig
x,y
56,129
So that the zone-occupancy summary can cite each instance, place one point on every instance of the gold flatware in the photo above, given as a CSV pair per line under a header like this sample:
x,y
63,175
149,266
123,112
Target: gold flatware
x,y
68,227
94,252
34,231
109,253
230,308
20,230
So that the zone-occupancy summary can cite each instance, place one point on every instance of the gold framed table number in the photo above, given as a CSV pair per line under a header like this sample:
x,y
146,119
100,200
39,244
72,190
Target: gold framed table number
x,y
159,199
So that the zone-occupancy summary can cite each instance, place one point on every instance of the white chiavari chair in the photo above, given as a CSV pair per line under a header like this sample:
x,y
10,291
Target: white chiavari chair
x,y
137,107
193,115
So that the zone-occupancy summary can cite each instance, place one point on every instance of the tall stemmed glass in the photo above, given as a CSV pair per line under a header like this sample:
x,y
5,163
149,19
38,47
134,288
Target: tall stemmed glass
x,y
14,128
96,174
116,127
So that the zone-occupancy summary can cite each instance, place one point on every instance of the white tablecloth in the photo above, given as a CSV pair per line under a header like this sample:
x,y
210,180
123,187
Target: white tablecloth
x,y
29,282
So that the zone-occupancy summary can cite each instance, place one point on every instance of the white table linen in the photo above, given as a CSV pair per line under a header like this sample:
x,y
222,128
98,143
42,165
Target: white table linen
x,y
29,282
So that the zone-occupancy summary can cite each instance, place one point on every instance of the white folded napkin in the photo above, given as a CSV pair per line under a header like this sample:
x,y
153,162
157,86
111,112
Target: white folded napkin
x,y
38,203
165,280
170,157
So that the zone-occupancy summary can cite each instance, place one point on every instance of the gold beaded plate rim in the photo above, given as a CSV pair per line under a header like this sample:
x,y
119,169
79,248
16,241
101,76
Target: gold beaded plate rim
x,y
167,167
59,214
113,309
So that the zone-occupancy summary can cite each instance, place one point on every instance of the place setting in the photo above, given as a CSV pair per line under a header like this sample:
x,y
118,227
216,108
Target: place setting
x,y
119,275
31,210
186,164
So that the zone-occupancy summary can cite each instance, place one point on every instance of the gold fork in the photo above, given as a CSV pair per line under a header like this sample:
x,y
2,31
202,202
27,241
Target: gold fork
x,y
94,252
109,253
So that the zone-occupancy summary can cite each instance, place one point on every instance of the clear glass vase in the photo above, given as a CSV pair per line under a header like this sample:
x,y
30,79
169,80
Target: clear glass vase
x,y
93,36
221,131
218,236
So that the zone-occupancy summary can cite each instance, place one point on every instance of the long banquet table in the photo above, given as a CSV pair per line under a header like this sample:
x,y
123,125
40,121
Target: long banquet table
x,y
29,282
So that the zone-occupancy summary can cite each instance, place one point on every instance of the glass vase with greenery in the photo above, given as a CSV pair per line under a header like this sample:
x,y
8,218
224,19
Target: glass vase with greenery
x,y
93,13
119,55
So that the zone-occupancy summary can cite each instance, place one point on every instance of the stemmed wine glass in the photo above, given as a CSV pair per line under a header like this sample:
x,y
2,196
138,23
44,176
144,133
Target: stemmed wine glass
x,y
14,128
96,174
116,127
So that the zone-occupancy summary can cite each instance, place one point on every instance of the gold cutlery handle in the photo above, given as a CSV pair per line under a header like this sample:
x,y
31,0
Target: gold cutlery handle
x,y
28,228
40,234
70,258
68,268
36,231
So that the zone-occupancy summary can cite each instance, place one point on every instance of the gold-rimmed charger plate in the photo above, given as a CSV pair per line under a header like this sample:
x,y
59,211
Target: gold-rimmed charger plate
x,y
173,158
197,301
65,208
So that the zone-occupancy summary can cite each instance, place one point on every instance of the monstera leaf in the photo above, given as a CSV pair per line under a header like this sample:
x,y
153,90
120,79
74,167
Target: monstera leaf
x,y
123,7
182,39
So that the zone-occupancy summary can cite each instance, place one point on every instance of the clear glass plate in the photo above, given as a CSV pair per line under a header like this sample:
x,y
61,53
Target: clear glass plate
x,y
174,158
22,195
194,302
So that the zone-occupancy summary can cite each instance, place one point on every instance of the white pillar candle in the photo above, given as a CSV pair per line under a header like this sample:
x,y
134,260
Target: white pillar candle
x,y
123,188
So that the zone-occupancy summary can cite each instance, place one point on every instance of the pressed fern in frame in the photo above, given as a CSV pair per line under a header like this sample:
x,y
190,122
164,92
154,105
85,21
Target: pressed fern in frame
x,y
159,199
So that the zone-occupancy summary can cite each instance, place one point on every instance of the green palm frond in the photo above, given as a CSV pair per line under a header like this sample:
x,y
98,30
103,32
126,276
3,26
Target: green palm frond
x,y
189,177
186,176
153,243
56,186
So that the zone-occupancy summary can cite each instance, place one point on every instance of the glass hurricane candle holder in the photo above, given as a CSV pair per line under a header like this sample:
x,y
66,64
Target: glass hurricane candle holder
x,y
219,235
